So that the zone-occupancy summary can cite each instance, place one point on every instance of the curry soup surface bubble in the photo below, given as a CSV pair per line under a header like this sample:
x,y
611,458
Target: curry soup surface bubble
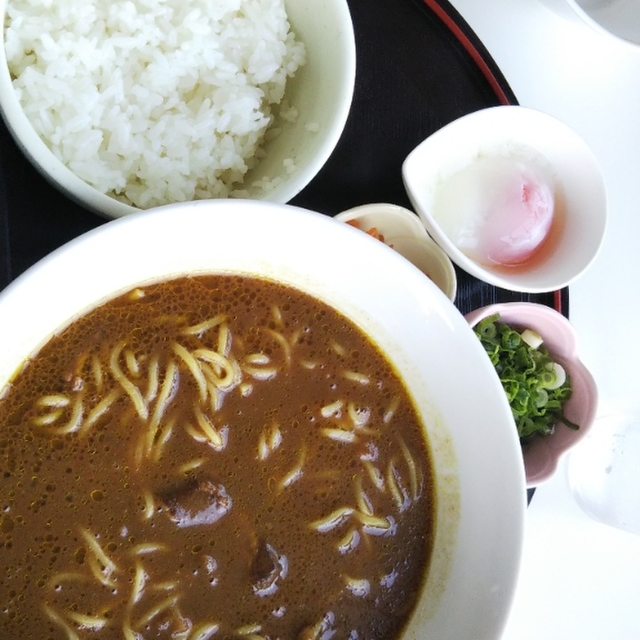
x,y
213,456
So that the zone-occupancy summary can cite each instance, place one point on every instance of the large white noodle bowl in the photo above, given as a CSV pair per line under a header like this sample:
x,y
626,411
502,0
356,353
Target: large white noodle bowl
x,y
478,463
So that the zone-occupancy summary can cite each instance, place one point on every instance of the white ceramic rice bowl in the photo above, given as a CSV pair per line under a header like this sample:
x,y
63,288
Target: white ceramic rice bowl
x,y
481,497
321,91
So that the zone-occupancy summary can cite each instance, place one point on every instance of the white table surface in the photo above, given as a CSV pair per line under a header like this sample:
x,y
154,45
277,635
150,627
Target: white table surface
x,y
581,579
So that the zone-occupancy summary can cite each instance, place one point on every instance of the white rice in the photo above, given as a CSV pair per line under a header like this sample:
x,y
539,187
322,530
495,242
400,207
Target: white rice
x,y
153,101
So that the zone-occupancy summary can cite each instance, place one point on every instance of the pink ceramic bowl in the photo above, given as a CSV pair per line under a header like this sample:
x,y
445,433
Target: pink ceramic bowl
x,y
541,455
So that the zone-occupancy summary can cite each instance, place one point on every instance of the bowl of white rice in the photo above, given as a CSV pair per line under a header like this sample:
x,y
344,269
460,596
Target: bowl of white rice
x,y
132,104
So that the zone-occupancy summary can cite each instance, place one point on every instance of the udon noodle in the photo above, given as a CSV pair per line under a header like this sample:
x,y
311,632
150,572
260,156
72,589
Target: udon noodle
x,y
213,456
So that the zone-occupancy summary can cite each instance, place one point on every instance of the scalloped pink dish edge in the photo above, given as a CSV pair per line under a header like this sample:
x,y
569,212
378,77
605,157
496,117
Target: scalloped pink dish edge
x,y
542,456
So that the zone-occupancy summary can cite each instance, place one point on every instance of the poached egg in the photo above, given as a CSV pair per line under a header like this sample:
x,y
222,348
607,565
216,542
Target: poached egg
x,y
499,209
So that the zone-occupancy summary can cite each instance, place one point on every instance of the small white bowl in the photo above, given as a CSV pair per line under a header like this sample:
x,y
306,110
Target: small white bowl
x,y
579,222
403,231
542,454
321,91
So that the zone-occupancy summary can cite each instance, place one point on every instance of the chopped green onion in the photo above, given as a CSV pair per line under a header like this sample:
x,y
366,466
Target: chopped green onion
x,y
535,385
559,375
487,331
547,378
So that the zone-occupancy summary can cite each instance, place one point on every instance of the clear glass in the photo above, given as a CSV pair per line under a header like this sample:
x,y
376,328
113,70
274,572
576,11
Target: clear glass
x,y
604,472
589,5
619,18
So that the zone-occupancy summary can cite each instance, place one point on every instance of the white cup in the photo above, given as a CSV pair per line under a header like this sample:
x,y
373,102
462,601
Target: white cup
x,y
618,18
604,472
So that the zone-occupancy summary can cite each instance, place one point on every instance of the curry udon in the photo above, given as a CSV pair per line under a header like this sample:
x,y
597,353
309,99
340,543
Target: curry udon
x,y
214,456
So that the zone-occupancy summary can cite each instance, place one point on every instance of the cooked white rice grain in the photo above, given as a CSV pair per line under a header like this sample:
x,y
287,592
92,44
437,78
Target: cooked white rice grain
x,y
154,101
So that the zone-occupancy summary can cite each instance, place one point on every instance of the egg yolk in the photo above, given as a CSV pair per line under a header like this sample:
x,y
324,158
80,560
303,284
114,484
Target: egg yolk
x,y
498,210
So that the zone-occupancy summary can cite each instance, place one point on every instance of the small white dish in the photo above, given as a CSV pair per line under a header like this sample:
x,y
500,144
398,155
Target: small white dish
x,y
390,220
403,231
510,133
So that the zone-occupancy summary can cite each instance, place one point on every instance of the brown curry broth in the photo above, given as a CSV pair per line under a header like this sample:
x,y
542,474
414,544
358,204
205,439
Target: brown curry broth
x,y
52,487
